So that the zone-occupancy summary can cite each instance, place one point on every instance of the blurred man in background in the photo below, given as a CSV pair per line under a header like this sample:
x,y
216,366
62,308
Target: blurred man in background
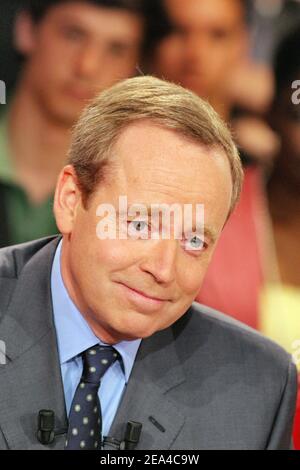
x,y
208,51
210,38
72,50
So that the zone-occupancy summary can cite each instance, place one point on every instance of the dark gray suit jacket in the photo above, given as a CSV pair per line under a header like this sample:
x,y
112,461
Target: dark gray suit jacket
x,y
209,381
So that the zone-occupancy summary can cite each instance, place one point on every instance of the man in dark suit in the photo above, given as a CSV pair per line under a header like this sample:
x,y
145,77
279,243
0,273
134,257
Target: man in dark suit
x,y
99,325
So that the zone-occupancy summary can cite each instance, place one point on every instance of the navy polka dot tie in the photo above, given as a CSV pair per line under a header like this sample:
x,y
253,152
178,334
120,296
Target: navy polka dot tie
x,y
85,420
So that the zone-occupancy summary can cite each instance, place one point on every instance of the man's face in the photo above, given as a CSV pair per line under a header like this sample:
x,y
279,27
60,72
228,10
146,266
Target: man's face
x,y
154,165
207,41
77,50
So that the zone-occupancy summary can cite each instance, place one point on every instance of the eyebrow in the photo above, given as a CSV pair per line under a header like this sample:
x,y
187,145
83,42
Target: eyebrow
x,y
209,232
70,20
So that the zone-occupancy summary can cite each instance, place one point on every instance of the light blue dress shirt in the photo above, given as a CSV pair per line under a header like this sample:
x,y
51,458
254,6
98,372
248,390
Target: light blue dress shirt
x,y
74,336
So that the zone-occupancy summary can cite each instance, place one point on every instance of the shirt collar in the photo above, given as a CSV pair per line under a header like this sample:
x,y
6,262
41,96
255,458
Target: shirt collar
x,y
74,334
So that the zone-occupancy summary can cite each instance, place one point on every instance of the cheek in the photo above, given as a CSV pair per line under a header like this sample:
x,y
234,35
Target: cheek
x,y
115,255
107,254
46,72
191,276
122,68
48,58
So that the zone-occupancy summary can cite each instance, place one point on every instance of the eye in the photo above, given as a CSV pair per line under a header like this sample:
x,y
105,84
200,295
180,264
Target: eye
x,y
194,244
73,33
118,49
138,228
219,34
139,225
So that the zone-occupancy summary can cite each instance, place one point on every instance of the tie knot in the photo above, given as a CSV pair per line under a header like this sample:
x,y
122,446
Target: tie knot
x,y
96,361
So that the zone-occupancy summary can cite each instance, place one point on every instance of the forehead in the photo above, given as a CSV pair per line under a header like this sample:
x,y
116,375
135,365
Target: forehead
x,y
197,13
158,165
96,19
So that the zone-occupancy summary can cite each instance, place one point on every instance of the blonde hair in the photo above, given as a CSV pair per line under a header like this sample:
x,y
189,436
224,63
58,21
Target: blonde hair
x,y
159,101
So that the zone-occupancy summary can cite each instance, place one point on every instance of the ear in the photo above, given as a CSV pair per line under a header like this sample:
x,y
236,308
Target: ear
x,y
24,34
67,200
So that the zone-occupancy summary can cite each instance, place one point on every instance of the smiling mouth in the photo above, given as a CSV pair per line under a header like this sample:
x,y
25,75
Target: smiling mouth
x,y
142,301
157,299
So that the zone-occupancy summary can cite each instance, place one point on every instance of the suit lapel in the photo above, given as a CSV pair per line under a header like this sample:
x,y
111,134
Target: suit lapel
x,y
156,371
31,378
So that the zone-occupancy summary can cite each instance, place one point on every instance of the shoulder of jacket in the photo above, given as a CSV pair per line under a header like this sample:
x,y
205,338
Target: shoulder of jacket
x,y
14,258
239,337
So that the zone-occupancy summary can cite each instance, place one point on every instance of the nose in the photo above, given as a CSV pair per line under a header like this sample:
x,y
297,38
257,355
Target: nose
x,y
88,61
196,49
161,261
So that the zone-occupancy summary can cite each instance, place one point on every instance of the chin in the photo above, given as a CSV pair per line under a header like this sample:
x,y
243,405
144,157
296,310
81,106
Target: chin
x,y
130,326
136,330
135,333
